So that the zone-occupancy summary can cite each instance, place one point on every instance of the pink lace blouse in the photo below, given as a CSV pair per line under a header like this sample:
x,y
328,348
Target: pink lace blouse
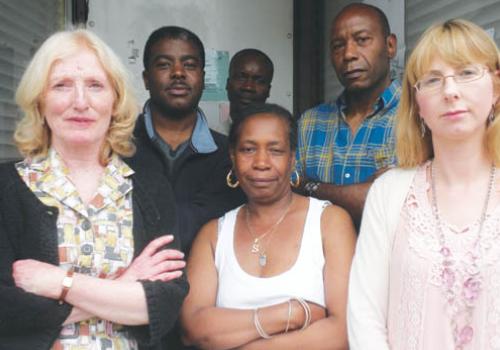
x,y
418,317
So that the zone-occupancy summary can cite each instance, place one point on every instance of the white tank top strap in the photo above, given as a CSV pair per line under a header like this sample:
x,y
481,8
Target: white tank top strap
x,y
225,227
312,239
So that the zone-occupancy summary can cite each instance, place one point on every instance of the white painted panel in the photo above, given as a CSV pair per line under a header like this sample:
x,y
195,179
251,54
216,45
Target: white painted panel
x,y
228,25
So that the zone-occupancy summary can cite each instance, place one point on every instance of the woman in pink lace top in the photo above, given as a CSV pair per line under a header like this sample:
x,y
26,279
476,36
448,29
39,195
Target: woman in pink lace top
x,y
426,273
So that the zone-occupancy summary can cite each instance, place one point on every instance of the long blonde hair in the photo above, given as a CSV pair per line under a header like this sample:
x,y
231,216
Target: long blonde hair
x,y
456,42
32,135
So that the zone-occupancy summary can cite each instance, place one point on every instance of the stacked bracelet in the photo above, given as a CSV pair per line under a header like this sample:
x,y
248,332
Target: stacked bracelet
x,y
258,326
307,312
289,315
307,317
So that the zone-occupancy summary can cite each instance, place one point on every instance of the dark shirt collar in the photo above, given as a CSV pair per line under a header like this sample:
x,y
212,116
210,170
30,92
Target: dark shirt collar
x,y
201,139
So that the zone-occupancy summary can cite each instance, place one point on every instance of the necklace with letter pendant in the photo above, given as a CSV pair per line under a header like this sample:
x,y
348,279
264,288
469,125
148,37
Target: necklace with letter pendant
x,y
256,250
256,247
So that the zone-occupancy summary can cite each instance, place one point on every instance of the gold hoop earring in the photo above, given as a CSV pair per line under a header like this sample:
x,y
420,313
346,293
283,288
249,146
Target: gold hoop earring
x,y
229,179
295,183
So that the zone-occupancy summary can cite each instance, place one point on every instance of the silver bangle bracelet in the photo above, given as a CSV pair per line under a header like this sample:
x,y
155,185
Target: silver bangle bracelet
x,y
289,315
307,312
258,326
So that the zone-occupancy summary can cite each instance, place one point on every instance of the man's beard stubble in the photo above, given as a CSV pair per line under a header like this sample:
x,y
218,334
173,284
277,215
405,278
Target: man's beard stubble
x,y
172,112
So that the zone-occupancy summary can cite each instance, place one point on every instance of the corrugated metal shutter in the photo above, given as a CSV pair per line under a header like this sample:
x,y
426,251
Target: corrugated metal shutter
x,y
420,14
24,25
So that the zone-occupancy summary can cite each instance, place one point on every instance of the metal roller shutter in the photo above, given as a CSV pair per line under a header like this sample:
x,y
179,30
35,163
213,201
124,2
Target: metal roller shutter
x,y
24,24
420,14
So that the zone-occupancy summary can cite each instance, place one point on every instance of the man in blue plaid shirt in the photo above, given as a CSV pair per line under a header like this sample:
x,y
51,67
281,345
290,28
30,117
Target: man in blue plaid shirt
x,y
344,145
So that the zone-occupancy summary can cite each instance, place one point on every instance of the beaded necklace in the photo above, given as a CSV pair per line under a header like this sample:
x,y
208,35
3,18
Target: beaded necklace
x,y
460,295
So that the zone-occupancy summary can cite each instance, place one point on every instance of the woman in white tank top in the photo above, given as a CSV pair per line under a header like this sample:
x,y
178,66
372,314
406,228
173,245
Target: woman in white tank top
x,y
271,274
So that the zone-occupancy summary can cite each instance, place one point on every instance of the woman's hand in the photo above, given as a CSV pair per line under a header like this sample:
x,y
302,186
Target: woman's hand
x,y
38,277
152,264
155,263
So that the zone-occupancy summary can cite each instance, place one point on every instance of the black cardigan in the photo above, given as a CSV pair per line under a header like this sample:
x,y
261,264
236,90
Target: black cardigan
x,y
198,181
28,231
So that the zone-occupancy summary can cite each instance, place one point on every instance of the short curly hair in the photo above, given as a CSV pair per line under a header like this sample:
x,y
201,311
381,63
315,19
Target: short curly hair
x,y
172,33
263,108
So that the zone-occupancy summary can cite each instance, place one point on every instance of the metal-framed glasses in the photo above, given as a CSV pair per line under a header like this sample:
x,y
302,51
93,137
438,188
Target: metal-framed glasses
x,y
435,81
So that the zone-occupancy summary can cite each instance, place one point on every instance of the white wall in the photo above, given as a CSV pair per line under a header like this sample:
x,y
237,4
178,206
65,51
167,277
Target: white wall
x,y
228,25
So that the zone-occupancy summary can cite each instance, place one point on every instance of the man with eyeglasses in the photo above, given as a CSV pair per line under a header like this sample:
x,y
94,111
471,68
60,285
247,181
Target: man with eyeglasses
x,y
344,145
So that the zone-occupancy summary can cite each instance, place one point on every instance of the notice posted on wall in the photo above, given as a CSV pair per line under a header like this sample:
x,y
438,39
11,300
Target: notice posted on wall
x,y
216,73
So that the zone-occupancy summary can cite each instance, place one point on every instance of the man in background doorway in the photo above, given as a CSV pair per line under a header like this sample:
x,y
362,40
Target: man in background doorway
x,y
249,81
